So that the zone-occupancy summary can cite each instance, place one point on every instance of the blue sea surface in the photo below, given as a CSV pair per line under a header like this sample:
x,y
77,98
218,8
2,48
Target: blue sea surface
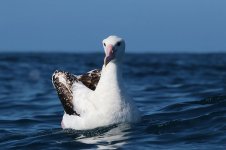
x,y
182,98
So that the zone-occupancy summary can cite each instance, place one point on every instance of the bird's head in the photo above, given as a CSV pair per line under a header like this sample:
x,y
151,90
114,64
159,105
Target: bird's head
x,y
114,48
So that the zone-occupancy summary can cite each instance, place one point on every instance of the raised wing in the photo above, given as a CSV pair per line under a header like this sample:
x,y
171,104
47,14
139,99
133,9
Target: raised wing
x,y
63,82
90,79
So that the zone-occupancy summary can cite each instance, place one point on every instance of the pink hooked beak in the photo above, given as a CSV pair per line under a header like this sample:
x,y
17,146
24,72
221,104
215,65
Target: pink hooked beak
x,y
110,54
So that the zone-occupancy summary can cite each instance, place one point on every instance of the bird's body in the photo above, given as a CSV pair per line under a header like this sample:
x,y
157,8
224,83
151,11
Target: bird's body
x,y
105,104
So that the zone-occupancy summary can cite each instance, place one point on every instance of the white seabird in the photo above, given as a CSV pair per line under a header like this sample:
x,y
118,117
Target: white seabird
x,y
97,98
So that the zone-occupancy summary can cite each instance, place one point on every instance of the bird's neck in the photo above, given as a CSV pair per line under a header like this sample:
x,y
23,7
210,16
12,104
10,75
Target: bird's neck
x,y
111,78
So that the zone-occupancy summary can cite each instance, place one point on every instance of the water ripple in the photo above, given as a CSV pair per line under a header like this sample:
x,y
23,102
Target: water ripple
x,y
182,98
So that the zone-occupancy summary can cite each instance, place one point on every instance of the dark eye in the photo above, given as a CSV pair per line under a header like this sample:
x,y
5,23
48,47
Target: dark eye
x,y
104,44
119,43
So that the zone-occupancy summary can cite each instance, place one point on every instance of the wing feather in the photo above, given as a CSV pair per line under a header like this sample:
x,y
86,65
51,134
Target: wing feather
x,y
63,82
90,79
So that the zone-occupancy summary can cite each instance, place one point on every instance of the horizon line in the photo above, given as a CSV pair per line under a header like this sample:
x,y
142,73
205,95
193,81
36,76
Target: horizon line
x,y
130,52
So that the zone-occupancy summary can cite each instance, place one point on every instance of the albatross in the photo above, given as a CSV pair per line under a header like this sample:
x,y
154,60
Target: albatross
x,y
98,97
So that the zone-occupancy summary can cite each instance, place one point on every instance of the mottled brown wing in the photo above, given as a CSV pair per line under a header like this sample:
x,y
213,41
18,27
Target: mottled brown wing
x,y
90,79
63,82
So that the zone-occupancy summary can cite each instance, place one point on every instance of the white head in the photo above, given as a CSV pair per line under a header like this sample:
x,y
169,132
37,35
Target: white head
x,y
114,48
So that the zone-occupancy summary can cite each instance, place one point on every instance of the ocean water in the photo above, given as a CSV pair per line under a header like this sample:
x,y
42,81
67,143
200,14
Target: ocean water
x,y
182,98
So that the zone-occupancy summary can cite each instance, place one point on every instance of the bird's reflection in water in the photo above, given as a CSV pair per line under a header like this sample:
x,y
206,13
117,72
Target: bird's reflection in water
x,y
112,139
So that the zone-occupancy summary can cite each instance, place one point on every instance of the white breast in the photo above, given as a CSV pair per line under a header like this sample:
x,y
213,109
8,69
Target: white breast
x,y
108,104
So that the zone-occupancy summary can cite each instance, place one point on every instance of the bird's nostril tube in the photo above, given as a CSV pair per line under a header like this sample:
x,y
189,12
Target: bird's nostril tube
x,y
110,47
109,50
